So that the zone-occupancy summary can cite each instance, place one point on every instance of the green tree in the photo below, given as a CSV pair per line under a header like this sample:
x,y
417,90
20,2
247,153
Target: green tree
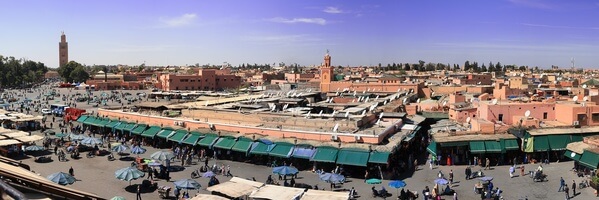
x,y
79,74
483,68
65,70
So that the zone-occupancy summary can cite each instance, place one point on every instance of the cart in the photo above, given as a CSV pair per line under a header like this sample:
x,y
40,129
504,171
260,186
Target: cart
x,y
164,192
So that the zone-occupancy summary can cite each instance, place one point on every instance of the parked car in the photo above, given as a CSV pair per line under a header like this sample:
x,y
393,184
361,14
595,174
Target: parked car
x,y
46,111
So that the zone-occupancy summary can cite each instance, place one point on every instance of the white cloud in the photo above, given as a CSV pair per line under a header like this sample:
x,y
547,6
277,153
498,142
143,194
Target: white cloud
x,y
319,21
332,10
287,40
183,20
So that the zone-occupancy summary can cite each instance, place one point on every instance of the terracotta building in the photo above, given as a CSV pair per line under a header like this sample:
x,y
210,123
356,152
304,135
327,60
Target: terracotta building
x,y
206,79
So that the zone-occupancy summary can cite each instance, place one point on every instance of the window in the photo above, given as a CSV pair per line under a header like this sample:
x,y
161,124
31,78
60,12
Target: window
x,y
595,117
545,115
500,117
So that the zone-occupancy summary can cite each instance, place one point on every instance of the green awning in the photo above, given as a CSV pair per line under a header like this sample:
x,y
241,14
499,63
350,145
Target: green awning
x,y
541,143
129,127
121,126
477,147
589,159
355,157
82,118
208,140
379,157
492,147
558,142
260,148
453,144
225,143
283,150
102,122
432,148
572,155
151,132
89,120
325,154
510,144
139,129
165,133
192,138
178,136
243,144
112,124
576,138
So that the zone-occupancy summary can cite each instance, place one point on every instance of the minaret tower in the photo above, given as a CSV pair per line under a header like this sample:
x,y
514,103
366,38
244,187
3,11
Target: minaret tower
x,y
326,73
63,50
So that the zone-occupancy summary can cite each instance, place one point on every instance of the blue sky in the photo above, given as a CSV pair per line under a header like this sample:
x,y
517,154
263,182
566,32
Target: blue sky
x,y
523,32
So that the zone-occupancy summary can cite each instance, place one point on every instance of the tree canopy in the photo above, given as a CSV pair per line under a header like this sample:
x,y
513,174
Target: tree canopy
x,y
20,72
73,72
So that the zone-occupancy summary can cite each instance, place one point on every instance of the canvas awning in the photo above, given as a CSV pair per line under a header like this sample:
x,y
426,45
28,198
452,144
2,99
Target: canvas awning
x,y
121,126
193,138
572,155
303,152
492,147
151,132
89,120
325,154
15,134
477,147
225,143
558,142
207,197
102,122
139,129
379,157
323,194
510,144
178,136
282,149
8,142
354,157
541,143
236,187
129,127
30,138
165,133
243,144
261,148
432,148
277,192
82,118
112,124
208,140
589,159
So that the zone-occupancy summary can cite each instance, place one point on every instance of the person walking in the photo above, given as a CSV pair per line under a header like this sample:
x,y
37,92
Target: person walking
x,y
487,164
430,163
71,171
562,183
138,192
229,171
567,191
573,188
150,174
451,176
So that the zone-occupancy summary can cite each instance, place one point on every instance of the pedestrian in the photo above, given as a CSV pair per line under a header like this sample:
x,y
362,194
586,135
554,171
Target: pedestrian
x,y
512,172
71,171
573,188
138,192
229,171
206,162
450,176
487,164
150,174
522,170
562,183
567,191
455,196
365,175
55,149
475,161
292,182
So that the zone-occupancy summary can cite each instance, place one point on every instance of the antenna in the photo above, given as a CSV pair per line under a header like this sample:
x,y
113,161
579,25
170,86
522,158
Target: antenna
x,y
527,114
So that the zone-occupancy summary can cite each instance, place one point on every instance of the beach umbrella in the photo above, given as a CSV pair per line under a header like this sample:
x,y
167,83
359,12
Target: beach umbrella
x,y
162,155
61,178
91,141
285,170
137,150
486,178
397,184
118,198
77,136
373,181
208,174
441,181
332,178
128,174
34,148
187,184
119,148
60,135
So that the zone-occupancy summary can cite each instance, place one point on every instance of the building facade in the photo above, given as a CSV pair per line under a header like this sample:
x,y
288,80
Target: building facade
x,y
206,79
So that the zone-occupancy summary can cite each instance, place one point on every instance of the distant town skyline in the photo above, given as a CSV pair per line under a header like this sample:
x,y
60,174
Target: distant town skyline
x,y
522,32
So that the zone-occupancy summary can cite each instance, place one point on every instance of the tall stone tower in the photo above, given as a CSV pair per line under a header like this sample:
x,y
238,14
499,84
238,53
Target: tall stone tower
x,y
326,74
63,50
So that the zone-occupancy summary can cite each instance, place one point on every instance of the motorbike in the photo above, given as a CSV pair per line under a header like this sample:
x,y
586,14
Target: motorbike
x,y
583,184
196,173
90,154
110,157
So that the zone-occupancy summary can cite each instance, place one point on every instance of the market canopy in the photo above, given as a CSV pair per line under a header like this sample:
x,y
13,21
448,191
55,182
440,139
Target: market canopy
x,y
355,157
178,136
305,152
540,143
165,133
30,138
510,144
261,148
82,118
151,132
121,126
558,142
243,144
277,192
323,194
15,134
89,120
432,148
492,147
129,127
589,159
139,129
572,155
208,140
102,122
8,142
225,143
112,124
282,149
193,138
325,154
379,157
235,188
477,147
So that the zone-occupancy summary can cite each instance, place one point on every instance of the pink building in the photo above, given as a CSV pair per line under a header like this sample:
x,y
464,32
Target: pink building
x,y
584,114
474,79
512,112
206,79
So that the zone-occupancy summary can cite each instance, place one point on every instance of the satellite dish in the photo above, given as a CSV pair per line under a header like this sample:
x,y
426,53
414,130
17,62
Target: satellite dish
x,y
569,88
494,102
418,101
585,98
584,86
479,83
444,103
521,75
432,93
468,120
527,113
539,86
405,100
554,82
575,99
